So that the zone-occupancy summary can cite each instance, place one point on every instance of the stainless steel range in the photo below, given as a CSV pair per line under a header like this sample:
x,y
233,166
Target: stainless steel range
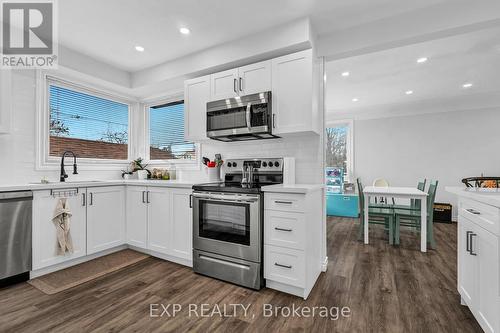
x,y
227,221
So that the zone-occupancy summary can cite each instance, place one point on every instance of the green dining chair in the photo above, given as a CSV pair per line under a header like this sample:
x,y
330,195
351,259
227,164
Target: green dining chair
x,y
414,203
381,216
412,218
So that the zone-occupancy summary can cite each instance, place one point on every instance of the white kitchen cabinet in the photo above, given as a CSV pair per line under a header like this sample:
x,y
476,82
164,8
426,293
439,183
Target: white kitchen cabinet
x,y
44,245
254,78
181,229
5,100
196,96
478,261
224,84
292,93
105,218
159,220
137,216
293,233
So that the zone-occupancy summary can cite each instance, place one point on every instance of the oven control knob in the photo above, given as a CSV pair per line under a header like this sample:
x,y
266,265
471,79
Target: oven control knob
x,y
270,164
264,164
235,164
276,164
229,164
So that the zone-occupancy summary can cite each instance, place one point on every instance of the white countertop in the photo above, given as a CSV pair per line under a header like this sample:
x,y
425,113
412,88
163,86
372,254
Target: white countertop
x,y
94,183
490,196
293,188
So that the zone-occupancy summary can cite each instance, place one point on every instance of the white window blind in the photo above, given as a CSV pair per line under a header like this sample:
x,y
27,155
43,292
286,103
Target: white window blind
x,y
166,133
90,126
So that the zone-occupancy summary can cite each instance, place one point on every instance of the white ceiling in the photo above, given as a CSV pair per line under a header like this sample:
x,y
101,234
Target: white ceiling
x,y
109,30
379,80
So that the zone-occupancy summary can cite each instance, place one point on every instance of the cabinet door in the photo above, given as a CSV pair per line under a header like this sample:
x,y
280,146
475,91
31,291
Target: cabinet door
x,y
485,245
467,264
292,92
254,78
105,218
45,243
5,100
159,219
196,96
137,216
182,224
224,84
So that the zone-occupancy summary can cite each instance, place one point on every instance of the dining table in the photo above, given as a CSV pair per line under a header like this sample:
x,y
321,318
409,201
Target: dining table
x,y
398,193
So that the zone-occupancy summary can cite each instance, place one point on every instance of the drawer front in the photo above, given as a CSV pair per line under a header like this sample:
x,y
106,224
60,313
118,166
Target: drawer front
x,y
284,265
284,229
285,202
484,215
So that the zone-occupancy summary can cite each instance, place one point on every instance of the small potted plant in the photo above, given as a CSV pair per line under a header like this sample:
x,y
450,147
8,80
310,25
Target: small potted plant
x,y
137,165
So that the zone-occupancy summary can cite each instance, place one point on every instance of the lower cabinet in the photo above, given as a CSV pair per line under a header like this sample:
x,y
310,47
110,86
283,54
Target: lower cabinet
x,y
105,218
293,232
160,219
479,272
45,242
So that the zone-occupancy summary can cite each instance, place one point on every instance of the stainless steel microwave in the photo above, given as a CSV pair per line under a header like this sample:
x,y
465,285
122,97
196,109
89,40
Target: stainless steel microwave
x,y
241,118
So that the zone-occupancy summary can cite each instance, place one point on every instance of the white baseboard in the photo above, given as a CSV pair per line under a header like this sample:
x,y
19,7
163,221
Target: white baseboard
x,y
324,265
167,257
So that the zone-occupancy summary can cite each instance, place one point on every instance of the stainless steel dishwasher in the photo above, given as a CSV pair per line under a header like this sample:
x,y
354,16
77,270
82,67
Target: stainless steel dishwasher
x,y
15,236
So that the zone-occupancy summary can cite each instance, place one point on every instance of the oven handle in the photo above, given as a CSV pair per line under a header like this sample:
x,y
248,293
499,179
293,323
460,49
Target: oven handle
x,y
249,124
224,198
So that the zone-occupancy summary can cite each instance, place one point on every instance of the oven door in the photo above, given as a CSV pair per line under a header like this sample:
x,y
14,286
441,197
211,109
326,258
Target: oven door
x,y
228,224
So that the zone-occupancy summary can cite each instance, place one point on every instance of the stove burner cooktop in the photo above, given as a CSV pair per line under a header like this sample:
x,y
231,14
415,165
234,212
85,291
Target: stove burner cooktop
x,y
230,187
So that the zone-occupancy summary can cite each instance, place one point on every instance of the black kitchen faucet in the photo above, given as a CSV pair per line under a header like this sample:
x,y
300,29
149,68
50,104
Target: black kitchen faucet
x,y
63,174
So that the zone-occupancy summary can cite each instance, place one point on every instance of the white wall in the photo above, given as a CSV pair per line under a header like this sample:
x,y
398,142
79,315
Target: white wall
x,y
446,146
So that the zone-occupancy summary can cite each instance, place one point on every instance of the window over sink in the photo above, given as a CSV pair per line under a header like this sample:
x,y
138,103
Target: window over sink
x,y
89,125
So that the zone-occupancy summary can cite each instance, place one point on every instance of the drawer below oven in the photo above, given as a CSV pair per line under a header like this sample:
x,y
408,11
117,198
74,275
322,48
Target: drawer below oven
x,y
284,265
237,271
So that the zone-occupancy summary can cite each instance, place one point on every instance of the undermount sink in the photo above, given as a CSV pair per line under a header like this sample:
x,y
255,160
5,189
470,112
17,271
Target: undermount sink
x,y
68,182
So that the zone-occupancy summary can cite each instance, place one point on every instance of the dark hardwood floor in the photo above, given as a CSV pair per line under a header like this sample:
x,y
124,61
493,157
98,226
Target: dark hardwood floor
x,y
388,289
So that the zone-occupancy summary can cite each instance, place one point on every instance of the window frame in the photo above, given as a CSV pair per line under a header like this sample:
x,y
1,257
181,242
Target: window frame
x,y
179,163
43,159
349,145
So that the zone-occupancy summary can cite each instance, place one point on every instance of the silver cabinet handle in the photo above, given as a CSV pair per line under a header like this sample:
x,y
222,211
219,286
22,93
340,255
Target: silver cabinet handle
x,y
471,245
143,198
274,121
283,202
190,201
147,197
284,266
91,199
282,229
235,82
84,197
473,211
241,84
467,245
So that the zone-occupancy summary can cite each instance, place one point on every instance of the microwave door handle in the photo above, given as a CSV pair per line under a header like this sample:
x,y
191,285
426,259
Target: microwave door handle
x,y
249,107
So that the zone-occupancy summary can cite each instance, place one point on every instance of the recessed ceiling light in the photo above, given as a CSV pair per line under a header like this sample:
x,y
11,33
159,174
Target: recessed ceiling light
x,y
139,48
184,31
346,74
467,85
422,60
355,99
409,92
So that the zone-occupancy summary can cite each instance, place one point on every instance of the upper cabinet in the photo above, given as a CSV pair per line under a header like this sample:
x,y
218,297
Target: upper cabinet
x,y
196,96
294,82
5,101
292,93
224,84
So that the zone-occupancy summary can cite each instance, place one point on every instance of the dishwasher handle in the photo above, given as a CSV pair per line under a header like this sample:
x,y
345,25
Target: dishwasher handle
x,y
16,195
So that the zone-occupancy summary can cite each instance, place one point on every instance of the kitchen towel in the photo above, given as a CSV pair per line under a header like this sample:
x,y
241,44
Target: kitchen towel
x,y
62,221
